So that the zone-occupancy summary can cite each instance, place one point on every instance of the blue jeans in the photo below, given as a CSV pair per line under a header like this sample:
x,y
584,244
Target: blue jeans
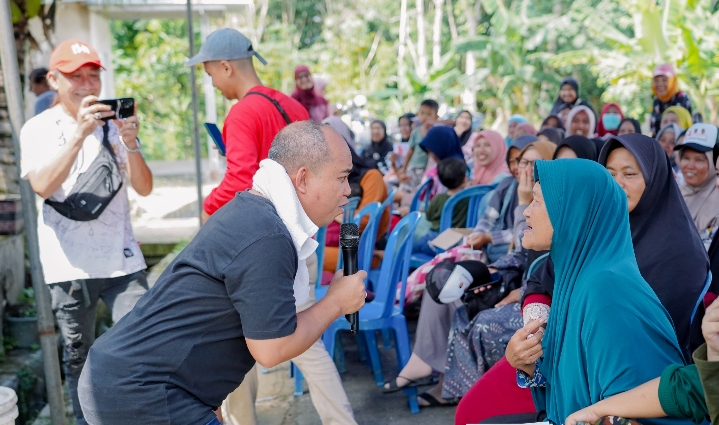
x,y
214,422
422,246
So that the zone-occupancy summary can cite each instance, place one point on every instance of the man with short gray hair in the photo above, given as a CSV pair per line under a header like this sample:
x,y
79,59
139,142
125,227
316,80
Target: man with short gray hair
x,y
228,299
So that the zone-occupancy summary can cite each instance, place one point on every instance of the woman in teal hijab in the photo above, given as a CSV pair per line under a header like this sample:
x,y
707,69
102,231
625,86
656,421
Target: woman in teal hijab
x,y
597,342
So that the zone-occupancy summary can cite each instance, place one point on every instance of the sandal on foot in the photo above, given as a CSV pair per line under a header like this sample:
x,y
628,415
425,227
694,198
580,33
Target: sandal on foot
x,y
393,388
435,402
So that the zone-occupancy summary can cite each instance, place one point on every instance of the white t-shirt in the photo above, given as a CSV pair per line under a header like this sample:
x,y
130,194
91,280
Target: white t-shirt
x,y
69,250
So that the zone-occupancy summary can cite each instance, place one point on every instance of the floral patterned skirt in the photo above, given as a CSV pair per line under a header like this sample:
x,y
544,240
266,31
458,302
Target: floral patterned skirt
x,y
475,346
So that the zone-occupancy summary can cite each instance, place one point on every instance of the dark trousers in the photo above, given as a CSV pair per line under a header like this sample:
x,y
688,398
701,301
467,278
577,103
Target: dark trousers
x,y
74,304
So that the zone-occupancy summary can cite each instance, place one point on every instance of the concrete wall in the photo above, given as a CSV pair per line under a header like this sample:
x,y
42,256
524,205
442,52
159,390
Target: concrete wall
x,y
73,20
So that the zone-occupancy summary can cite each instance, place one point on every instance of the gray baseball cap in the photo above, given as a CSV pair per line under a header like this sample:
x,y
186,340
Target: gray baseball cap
x,y
225,44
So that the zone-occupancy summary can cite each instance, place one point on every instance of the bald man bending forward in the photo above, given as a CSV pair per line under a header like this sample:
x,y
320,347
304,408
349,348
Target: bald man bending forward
x,y
225,302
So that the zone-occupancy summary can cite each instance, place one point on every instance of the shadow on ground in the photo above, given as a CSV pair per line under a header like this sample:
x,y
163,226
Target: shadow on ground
x,y
370,405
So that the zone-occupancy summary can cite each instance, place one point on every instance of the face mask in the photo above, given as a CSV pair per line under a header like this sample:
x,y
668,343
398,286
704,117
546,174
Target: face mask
x,y
611,121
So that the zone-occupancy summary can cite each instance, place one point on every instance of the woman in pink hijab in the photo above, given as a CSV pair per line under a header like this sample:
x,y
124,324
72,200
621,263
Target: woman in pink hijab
x,y
304,92
489,153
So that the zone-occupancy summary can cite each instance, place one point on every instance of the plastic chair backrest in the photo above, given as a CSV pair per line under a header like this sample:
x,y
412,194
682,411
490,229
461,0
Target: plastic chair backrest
x,y
395,264
387,204
536,263
707,283
475,195
321,239
349,209
424,191
367,238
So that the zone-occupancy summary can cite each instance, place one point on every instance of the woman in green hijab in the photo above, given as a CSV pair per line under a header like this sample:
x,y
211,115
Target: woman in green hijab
x,y
597,343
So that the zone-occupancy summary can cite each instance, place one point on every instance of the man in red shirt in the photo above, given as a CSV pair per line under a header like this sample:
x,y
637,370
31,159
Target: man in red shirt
x,y
250,127
253,122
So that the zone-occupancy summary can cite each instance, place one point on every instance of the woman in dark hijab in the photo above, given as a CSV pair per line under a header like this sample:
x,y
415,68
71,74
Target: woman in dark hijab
x,y
360,166
463,126
380,148
441,142
629,126
553,121
551,134
576,147
661,229
569,96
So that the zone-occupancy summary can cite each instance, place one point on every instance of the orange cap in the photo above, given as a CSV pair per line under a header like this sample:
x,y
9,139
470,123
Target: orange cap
x,y
70,55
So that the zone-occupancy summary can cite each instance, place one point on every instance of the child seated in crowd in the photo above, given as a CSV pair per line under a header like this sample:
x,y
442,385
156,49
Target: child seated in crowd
x,y
452,174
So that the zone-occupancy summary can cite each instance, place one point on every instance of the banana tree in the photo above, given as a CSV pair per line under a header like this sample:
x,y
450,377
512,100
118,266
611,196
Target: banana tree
x,y
680,32
513,76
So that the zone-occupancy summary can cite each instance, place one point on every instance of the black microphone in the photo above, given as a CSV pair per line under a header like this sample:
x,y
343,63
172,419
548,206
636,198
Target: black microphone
x,y
349,241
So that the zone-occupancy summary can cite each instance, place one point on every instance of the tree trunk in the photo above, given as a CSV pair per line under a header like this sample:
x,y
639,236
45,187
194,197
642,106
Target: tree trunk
x,y
421,41
437,33
401,67
451,21
469,97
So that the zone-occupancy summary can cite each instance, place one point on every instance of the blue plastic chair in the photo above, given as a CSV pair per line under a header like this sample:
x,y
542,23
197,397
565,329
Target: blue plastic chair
x,y
365,251
475,195
387,204
321,239
425,190
707,283
368,236
349,209
373,274
383,312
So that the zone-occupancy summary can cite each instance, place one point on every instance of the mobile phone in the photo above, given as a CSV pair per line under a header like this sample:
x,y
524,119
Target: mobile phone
x,y
216,136
123,107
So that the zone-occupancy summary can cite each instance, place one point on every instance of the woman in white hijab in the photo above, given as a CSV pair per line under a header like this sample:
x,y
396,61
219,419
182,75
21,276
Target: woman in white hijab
x,y
581,121
697,156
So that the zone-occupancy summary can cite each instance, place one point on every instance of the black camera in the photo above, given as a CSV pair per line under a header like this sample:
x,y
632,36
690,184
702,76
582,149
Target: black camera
x,y
123,108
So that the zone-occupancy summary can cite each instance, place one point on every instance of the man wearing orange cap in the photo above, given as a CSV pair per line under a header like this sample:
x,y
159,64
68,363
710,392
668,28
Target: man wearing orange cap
x,y
97,256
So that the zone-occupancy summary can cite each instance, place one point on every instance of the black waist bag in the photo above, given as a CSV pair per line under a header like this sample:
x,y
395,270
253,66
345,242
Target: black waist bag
x,y
94,188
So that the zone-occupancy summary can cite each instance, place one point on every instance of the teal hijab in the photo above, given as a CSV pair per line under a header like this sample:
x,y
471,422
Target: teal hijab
x,y
607,331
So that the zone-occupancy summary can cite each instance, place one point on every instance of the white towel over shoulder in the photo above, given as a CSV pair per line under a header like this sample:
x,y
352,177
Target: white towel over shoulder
x,y
275,184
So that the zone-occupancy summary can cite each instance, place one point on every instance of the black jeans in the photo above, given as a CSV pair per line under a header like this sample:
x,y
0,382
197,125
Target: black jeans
x,y
74,304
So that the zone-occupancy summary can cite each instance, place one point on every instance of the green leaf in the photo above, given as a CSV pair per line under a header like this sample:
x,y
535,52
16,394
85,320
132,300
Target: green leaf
x,y
571,58
472,44
384,94
32,8
15,13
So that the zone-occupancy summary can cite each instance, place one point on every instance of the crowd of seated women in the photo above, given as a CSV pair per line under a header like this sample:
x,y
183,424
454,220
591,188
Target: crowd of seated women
x,y
600,240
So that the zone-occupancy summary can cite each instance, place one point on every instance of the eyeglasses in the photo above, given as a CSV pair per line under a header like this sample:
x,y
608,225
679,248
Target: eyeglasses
x,y
523,163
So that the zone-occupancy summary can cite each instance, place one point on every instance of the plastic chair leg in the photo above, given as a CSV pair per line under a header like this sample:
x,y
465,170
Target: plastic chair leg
x,y
292,370
386,339
339,355
362,347
299,380
412,400
374,358
333,344
401,340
